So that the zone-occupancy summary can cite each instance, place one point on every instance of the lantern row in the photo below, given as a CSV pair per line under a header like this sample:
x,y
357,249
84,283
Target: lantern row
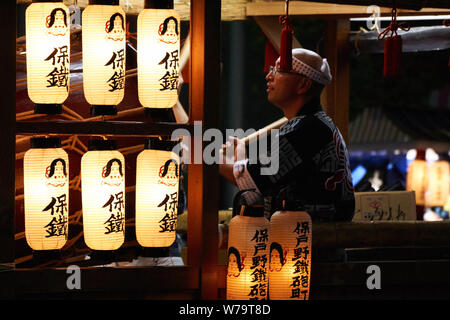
x,y
104,56
269,260
46,194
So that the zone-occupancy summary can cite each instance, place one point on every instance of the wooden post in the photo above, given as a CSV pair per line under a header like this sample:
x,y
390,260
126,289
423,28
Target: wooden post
x,y
203,180
335,97
7,137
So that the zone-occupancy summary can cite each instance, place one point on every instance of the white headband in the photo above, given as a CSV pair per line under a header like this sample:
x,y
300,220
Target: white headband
x,y
322,77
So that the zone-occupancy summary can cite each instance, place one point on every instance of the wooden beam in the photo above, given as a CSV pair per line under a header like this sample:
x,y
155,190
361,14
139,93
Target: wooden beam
x,y
111,280
230,9
307,8
272,29
125,128
335,97
401,4
7,137
203,180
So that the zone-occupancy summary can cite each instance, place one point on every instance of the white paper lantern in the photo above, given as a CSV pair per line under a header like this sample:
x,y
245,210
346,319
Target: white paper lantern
x,y
438,183
48,55
158,46
290,255
248,259
104,46
417,179
103,195
157,179
46,194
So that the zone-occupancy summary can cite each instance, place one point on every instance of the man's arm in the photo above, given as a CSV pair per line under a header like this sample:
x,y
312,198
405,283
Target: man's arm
x,y
226,170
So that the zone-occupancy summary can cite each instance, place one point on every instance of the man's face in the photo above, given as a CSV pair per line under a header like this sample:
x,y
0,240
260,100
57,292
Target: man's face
x,y
281,86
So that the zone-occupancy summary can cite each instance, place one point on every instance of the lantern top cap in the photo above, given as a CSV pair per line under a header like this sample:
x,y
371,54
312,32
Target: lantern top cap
x,y
157,144
105,2
45,143
256,211
102,145
159,4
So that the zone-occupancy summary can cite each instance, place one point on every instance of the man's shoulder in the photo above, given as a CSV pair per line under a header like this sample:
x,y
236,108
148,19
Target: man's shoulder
x,y
316,122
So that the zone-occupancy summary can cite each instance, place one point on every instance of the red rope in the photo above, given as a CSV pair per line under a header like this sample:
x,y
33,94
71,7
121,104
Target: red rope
x,y
393,26
129,35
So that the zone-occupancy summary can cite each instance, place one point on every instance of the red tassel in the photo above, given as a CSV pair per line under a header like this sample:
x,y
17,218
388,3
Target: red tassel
x,y
286,48
392,57
387,67
270,56
396,56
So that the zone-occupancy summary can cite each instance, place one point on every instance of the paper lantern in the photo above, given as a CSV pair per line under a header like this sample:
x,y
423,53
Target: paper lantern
x,y
104,40
290,255
438,184
46,190
48,55
103,195
416,179
157,178
248,249
158,44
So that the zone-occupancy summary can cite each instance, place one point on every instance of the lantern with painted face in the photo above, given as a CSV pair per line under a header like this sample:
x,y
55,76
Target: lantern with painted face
x,y
290,255
46,190
104,41
103,195
157,179
248,260
158,41
48,55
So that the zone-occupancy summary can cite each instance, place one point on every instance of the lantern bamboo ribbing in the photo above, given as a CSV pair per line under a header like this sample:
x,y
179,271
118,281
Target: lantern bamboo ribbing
x,y
158,42
104,40
438,183
103,195
48,55
46,190
417,179
157,178
248,244
290,255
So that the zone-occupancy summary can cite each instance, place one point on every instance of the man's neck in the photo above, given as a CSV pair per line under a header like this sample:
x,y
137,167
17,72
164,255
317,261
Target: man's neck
x,y
292,108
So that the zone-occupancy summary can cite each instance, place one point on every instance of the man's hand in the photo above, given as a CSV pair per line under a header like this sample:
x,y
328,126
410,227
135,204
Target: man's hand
x,y
233,150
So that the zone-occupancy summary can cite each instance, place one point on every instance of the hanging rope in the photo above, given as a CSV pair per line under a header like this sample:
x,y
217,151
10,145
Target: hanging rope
x,y
286,41
393,46
130,35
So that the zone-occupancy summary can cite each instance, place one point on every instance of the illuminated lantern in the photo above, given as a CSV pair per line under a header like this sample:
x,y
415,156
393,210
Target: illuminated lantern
x,y
157,178
46,190
248,249
417,179
103,195
158,44
290,255
48,55
104,40
438,184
